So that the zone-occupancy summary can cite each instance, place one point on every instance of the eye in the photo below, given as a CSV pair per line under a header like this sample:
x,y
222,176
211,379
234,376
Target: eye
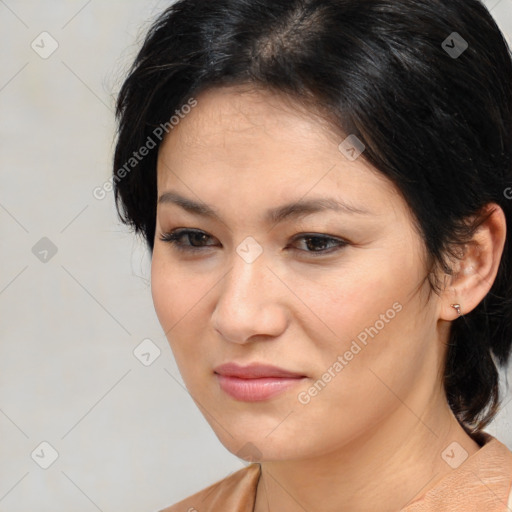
x,y
318,244
195,237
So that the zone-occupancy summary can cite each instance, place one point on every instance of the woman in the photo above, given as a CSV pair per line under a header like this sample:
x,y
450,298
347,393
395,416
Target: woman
x,y
323,187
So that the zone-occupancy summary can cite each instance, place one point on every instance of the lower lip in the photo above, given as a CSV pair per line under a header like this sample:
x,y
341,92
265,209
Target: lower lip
x,y
255,390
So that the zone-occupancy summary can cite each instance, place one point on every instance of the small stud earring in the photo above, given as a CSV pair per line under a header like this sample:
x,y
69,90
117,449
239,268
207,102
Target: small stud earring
x,y
457,308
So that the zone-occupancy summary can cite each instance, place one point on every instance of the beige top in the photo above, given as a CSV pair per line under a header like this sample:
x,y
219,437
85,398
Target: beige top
x,y
482,483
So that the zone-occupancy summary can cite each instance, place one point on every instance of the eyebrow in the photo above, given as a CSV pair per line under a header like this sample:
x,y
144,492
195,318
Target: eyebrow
x,y
295,209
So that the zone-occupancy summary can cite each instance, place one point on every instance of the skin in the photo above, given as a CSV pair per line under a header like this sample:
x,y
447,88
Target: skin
x,y
372,438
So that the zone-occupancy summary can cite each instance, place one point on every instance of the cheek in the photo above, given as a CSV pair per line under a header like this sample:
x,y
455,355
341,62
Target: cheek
x,y
171,299
181,300
376,378
164,286
374,321
176,294
345,302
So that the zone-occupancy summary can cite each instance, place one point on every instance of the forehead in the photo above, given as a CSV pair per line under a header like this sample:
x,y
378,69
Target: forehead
x,y
247,111
247,140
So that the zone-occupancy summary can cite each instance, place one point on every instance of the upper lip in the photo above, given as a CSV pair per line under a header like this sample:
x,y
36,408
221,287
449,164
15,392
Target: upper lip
x,y
254,371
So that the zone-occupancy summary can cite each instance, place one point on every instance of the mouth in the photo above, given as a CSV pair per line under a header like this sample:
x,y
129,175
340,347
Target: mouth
x,y
256,382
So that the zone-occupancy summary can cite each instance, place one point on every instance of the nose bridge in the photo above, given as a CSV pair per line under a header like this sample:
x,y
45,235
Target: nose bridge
x,y
246,305
243,282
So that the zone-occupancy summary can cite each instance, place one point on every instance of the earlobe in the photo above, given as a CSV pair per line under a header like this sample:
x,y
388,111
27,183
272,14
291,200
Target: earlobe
x,y
478,266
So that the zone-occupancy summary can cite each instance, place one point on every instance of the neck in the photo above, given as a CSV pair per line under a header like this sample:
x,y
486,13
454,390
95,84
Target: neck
x,y
381,470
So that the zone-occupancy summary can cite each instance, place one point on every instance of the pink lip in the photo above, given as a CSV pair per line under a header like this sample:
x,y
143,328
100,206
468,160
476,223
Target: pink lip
x,y
255,382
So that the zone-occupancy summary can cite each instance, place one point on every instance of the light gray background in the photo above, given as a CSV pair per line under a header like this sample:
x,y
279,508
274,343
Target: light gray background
x,y
128,436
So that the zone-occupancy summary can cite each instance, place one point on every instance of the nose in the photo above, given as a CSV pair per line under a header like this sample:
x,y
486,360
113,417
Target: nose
x,y
251,302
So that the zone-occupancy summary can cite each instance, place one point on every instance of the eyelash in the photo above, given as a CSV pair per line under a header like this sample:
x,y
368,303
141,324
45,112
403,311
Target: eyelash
x,y
174,237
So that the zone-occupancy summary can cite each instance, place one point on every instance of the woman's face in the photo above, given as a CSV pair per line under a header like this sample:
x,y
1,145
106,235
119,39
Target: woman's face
x,y
344,309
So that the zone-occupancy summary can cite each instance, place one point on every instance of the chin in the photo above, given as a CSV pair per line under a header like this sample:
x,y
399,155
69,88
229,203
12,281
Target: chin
x,y
256,446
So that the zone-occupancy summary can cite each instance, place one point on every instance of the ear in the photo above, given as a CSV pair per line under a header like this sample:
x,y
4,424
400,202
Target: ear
x,y
475,272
